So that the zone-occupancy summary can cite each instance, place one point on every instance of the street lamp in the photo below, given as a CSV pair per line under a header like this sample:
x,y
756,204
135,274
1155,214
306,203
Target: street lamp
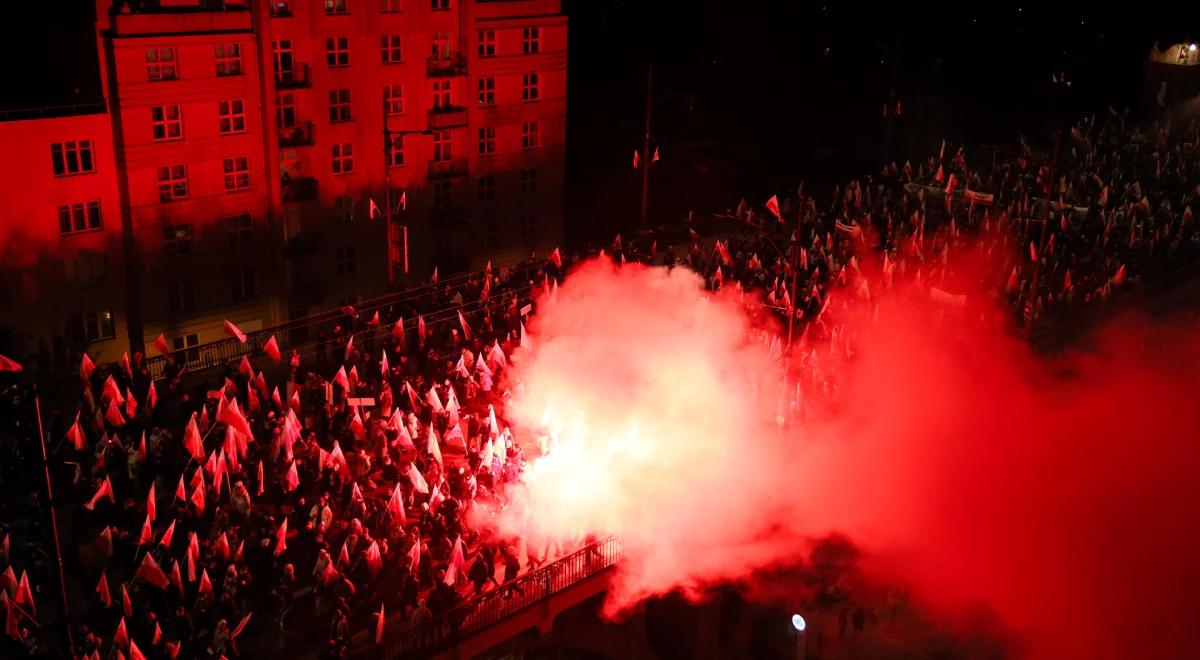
x,y
389,137
799,625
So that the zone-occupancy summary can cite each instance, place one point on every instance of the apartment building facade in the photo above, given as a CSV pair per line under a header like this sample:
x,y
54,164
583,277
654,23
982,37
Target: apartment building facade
x,y
262,160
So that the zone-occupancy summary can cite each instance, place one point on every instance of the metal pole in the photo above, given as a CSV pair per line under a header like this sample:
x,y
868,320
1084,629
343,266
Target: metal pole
x,y
1031,301
646,146
62,581
387,197
795,277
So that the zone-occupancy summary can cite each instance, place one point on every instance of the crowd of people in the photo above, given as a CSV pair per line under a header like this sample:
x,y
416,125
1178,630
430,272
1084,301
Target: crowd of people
x,y
349,489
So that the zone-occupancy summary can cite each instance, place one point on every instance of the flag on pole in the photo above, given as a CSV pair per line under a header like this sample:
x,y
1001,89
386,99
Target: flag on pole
x,y
151,572
281,538
421,328
465,328
556,258
434,278
104,491
168,536
161,345
417,480
637,160
379,624
151,397
233,331
9,364
241,626
151,509
86,367
372,209
773,206
103,590
76,436
396,507
272,349
456,562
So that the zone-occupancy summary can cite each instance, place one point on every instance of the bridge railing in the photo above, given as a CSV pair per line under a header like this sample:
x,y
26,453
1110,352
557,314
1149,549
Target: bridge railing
x,y
485,610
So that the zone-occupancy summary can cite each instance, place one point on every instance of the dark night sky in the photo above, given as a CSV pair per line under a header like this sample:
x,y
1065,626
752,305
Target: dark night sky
x,y
766,102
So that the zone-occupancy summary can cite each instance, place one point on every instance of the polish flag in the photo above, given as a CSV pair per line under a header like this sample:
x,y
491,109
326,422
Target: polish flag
x,y
233,331
773,206
379,624
356,426
241,626
205,583
76,436
434,449
372,210
151,509
374,322
151,572
293,477
396,507
341,379
103,590
417,480
161,345
151,397
465,328
383,365
433,400
374,560
556,258
168,536
637,160
9,364
121,636
456,562
414,557
655,158
126,602
398,332
104,491
281,538
421,328
233,417
198,498
125,364
86,367
433,279
113,415
180,492
177,577
192,440
272,349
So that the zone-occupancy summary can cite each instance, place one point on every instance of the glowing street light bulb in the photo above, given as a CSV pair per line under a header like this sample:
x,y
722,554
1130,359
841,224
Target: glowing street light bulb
x,y
1192,48
799,623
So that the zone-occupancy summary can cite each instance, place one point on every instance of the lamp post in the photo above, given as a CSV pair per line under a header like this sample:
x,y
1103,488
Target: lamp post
x,y
387,195
799,630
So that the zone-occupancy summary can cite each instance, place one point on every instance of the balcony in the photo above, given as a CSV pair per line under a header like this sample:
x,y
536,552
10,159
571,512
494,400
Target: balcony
x,y
281,9
295,78
447,117
447,169
299,189
300,135
437,66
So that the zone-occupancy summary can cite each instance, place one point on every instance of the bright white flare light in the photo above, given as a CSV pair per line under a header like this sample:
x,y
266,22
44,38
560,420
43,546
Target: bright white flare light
x,y
799,623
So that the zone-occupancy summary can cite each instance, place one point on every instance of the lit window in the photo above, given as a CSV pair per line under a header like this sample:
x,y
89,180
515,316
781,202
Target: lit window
x,y
237,174
335,6
343,158
531,40
487,91
390,49
529,181
441,146
72,157
337,51
229,59
160,64
529,87
339,105
387,6
439,5
244,284
393,99
75,218
181,297
241,229
530,135
487,141
172,183
487,43
343,210
177,239
487,188
232,116
395,152
441,94
346,259
166,122
93,326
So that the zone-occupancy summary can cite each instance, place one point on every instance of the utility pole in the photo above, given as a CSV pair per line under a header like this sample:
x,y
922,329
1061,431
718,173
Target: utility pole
x,y
646,146
387,197
1031,300
62,581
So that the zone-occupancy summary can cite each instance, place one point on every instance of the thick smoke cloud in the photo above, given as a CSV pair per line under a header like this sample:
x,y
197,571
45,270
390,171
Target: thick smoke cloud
x,y
1062,494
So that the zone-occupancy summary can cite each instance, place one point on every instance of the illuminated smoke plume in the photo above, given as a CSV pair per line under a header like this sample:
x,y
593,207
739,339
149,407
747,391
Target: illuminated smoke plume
x,y
1061,494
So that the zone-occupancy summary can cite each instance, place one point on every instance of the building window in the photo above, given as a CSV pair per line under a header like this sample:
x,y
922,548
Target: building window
x,y
395,152
181,297
285,109
487,141
487,43
442,194
244,284
237,174
94,326
528,181
172,183
160,64
530,135
177,239
531,40
343,158
387,6
487,91
88,269
167,123
343,210
188,342
233,116
229,59
75,218
441,94
335,7
346,259
393,99
241,229
529,87
389,47
529,226
439,5
72,157
337,51
487,188
441,146
441,44
281,54
339,105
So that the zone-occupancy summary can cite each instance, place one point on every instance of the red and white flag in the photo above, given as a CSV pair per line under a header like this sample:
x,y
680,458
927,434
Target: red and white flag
x,y
161,345
773,206
462,322
556,258
76,436
86,367
637,160
168,536
293,477
151,572
396,507
272,349
417,480
433,279
9,364
281,538
456,563
104,491
151,508
379,624
103,590
151,397
233,331
372,209
421,328
241,626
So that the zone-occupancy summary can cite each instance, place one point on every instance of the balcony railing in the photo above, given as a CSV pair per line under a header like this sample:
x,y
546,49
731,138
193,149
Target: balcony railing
x,y
445,169
454,64
296,136
473,616
300,189
294,78
447,117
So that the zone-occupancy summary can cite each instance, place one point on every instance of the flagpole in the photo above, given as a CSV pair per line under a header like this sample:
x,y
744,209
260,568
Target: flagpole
x,y
1031,301
62,583
646,147
387,198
